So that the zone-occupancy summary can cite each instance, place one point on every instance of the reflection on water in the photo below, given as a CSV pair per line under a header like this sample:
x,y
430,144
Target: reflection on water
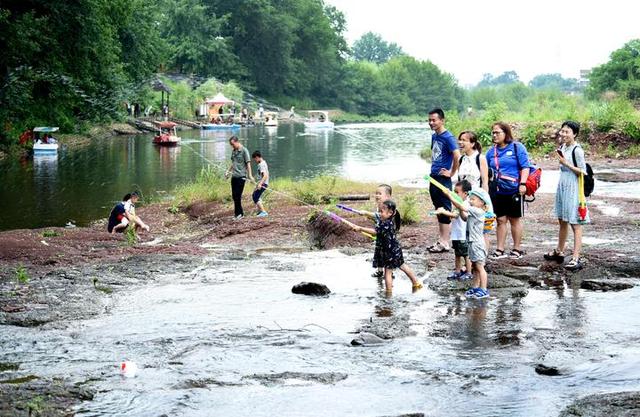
x,y
243,344
82,184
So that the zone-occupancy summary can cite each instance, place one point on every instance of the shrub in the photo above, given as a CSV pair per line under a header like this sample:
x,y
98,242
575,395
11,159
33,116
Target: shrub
x,y
409,209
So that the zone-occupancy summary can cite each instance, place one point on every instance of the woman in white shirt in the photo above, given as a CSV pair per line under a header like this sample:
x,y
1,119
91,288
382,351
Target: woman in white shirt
x,y
473,167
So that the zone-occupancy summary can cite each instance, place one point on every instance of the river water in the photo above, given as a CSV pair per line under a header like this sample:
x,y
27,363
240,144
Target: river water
x,y
82,184
216,342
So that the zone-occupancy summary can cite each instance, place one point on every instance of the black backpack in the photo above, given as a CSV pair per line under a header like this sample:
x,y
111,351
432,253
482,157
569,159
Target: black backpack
x,y
589,182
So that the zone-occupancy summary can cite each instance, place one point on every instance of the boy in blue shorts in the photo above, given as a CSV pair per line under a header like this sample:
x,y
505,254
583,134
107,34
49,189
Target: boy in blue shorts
x,y
262,184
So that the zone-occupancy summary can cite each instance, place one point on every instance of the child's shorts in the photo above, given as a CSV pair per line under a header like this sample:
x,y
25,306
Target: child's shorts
x,y
477,252
460,248
258,193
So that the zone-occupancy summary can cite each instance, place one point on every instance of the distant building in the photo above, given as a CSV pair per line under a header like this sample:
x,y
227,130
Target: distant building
x,y
584,78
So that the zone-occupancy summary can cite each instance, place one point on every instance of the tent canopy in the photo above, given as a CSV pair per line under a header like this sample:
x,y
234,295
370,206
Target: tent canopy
x,y
219,99
45,129
166,125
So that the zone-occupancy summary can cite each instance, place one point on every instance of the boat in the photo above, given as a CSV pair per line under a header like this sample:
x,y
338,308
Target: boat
x,y
167,135
270,118
221,126
318,119
45,144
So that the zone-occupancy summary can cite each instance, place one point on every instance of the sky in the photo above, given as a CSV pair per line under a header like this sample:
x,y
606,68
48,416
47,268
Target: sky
x,y
469,38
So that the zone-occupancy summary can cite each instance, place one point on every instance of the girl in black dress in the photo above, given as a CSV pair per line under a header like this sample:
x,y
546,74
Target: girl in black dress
x,y
388,253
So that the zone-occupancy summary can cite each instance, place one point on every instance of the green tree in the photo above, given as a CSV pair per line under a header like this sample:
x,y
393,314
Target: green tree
x,y
554,81
371,47
507,77
621,74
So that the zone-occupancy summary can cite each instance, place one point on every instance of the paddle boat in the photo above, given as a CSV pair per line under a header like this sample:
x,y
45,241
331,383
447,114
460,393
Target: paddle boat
x,y
318,119
45,144
167,135
270,118
220,126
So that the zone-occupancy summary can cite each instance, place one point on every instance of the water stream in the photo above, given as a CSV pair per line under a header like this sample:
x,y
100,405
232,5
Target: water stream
x,y
231,339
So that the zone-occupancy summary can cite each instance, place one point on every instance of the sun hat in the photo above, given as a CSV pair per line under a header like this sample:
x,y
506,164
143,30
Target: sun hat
x,y
482,195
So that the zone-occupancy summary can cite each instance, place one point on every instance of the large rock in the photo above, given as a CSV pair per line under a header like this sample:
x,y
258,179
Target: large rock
x,y
604,285
311,288
367,339
618,404
547,370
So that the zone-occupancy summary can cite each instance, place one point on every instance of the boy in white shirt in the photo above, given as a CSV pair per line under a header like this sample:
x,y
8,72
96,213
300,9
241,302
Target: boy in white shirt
x,y
459,234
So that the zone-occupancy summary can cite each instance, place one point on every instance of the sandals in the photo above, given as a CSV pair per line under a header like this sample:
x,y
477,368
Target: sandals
x,y
555,255
574,265
438,248
498,254
516,254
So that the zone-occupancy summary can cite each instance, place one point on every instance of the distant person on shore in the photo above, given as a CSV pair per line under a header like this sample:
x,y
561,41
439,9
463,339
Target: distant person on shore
x,y
240,171
292,112
390,254
445,156
124,213
260,112
572,165
263,182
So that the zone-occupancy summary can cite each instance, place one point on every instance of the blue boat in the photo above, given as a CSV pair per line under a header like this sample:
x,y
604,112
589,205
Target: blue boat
x,y
213,126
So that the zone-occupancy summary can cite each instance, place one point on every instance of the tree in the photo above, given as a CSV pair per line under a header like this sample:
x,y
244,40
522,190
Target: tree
x,y
506,77
194,32
371,47
621,74
554,81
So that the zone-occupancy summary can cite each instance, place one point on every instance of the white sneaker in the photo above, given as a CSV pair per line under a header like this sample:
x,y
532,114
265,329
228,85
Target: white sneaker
x,y
238,217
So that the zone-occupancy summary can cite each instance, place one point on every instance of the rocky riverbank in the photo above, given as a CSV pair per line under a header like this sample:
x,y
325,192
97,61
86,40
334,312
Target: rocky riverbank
x,y
51,276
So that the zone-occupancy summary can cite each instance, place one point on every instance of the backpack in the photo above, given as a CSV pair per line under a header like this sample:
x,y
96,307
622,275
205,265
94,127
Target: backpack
x,y
589,183
477,163
533,180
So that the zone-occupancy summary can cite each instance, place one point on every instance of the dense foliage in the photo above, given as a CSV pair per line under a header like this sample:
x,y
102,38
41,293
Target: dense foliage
x,y
74,62
621,74
371,47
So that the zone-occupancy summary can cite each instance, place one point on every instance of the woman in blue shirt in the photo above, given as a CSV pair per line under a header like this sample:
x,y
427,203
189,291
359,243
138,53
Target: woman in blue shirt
x,y
509,162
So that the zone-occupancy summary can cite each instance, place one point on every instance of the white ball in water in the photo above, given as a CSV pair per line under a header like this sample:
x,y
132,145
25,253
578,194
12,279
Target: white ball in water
x,y
128,369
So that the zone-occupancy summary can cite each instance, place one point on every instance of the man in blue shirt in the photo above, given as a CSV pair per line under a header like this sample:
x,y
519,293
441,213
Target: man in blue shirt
x,y
445,158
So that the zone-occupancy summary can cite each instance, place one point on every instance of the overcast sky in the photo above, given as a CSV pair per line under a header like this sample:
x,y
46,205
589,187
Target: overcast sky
x,y
471,37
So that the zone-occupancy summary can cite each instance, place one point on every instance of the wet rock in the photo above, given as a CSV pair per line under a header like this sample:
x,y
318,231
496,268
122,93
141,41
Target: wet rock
x,y
617,176
41,397
204,383
408,415
618,404
547,370
605,285
328,378
389,324
367,339
311,288
440,284
284,266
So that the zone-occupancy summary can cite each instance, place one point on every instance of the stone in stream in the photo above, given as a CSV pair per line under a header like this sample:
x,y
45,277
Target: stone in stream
x,y
618,404
604,285
367,339
547,370
311,288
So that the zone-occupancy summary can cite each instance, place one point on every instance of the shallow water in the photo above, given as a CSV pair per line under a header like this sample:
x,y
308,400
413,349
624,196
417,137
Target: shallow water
x,y
203,341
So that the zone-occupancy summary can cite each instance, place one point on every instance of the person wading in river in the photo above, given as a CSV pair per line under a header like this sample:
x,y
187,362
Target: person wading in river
x,y
240,171
445,157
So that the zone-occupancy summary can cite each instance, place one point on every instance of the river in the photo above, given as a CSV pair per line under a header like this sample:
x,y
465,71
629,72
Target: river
x,y
216,342
80,185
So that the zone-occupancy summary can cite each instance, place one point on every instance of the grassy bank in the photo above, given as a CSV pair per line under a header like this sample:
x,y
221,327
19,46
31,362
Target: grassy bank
x,y
321,192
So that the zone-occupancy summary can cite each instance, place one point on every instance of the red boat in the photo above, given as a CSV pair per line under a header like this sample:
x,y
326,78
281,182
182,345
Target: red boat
x,y
167,135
